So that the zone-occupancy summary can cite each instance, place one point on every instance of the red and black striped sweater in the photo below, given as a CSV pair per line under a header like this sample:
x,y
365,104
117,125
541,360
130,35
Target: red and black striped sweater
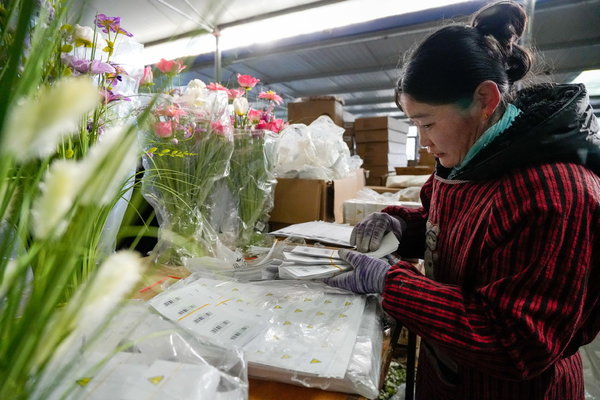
x,y
513,281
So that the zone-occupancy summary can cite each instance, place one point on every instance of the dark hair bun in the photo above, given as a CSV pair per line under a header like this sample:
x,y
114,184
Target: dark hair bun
x,y
505,21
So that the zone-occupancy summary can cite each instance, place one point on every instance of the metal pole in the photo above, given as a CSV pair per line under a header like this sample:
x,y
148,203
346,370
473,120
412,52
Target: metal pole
x,y
216,33
527,38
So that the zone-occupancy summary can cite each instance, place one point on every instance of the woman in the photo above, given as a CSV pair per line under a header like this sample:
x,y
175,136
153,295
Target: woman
x,y
510,224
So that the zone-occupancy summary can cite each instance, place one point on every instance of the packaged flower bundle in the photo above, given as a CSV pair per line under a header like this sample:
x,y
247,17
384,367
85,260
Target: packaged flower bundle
x,y
188,144
244,199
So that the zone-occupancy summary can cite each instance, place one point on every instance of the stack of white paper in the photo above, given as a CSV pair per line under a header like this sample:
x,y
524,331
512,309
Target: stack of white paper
x,y
305,262
302,328
337,234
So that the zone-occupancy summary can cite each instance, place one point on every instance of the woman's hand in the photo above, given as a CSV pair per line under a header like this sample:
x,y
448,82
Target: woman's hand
x,y
368,233
368,275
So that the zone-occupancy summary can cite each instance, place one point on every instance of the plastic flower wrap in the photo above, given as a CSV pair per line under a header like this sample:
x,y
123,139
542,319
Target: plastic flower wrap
x,y
243,200
187,144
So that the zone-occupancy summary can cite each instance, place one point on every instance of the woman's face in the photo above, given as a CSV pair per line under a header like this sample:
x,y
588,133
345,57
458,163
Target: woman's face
x,y
446,130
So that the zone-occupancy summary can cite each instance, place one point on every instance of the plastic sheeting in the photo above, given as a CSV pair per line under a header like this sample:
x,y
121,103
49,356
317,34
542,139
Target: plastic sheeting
x,y
590,355
154,359
316,151
304,333
242,201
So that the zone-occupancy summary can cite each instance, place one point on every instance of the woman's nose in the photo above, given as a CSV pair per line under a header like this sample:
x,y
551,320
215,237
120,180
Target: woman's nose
x,y
423,139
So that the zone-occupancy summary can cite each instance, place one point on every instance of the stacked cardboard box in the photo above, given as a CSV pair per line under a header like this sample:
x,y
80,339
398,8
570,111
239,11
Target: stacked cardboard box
x,y
381,143
304,200
308,109
349,138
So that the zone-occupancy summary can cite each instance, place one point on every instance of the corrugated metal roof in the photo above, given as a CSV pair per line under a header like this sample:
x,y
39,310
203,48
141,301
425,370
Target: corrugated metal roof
x,y
359,63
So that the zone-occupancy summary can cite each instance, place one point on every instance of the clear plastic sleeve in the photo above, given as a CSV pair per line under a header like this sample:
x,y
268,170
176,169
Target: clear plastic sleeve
x,y
302,333
187,149
317,151
242,201
590,355
153,359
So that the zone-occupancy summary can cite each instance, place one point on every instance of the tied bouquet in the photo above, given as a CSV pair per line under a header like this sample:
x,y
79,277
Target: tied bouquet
x,y
187,145
250,183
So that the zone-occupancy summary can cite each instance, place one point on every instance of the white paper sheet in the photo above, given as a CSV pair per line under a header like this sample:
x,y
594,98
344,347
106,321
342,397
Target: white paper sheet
x,y
302,328
222,317
294,271
337,234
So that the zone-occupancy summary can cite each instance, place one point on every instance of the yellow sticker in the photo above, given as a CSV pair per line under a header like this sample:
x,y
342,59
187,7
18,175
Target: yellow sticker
x,y
319,313
348,303
285,356
327,301
297,310
315,361
343,315
287,323
269,294
277,307
307,299
155,380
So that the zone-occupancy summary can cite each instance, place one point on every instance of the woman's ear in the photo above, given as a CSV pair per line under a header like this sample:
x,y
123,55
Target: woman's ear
x,y
487,97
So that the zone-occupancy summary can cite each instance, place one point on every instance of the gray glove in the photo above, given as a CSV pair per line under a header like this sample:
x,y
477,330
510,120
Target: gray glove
x,y
368,233
368,275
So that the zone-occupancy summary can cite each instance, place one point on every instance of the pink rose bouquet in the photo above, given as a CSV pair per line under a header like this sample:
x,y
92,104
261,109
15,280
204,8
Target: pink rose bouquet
x,y
188,144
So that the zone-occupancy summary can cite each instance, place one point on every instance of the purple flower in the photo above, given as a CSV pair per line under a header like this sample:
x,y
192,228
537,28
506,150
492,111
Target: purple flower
x,y
108,96
115,76
112,24
99,67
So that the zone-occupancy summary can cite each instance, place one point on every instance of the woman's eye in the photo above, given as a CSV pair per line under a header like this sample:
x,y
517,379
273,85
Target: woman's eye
x,y
426,126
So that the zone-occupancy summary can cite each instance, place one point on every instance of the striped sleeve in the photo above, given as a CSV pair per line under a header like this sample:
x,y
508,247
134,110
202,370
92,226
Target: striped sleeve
x,y
540,254
412,244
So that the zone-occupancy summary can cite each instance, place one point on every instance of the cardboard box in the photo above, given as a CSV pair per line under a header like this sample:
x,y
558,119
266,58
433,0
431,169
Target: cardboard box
x,y
379,148
305,112
391,160
425,158
355,210
304,200
417,170
380,123
380,135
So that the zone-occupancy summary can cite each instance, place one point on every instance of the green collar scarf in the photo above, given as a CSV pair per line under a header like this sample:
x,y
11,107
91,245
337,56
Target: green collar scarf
x,y
488,136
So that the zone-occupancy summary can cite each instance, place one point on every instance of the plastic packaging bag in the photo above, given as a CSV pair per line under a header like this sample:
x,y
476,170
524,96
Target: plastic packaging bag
x,y
154,359
304,333
187,149
317,151
242,201
590,355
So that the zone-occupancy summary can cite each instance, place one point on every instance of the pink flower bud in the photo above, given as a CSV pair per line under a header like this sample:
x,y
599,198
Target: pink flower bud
x,y
163,129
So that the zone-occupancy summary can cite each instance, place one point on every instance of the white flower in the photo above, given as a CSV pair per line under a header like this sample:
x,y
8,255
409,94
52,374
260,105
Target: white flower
x,y
240,106
58,192
107,166
194,96
83,33
91,306
196,84
35,125
114,280
8,276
